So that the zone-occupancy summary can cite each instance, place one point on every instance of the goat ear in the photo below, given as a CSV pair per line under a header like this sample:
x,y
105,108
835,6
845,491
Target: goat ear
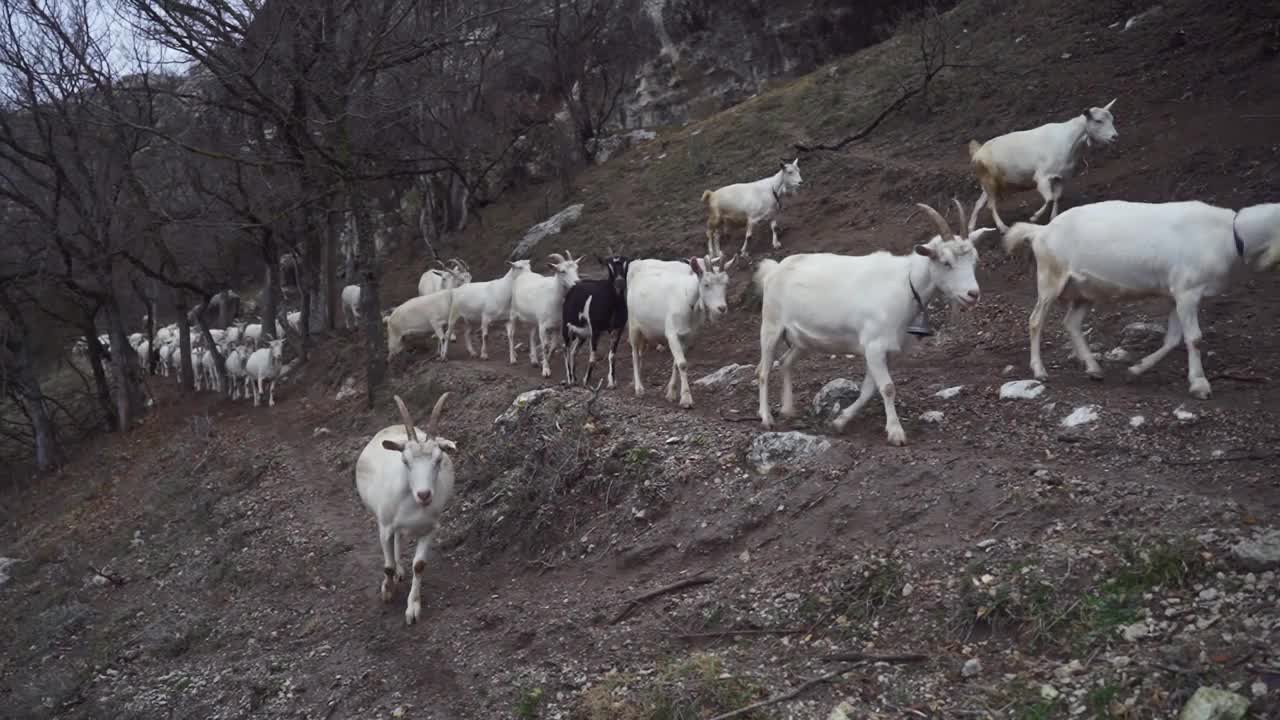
x,y
446,444
925,250
696,264
392,445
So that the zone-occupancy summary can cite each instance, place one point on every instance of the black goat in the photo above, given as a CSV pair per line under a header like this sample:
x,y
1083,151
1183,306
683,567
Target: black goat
x,y
592,308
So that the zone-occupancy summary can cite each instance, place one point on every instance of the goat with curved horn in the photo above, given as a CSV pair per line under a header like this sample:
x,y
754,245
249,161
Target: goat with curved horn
x,y
938,220
407,419
434,421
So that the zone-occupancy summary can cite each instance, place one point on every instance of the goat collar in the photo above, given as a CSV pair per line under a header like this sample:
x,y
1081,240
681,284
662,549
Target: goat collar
x,y
1235,235
924,329
777,197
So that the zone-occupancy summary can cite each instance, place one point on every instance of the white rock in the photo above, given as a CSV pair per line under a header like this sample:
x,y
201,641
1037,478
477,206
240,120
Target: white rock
x,y
1081,415
931,416
1214,704
1184,414
1137,421
1136,631
731,374
1021,390
843,711
348,390
907,590
1049,692
1261,552
835,396
1064,672
523,402
5,564
1143,328
1117,354
987,543
1007,370
1259,689
1208,594
972,667
551,226
772,448
948,393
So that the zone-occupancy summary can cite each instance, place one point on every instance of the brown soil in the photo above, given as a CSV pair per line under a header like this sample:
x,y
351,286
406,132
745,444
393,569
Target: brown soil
x,y
245,572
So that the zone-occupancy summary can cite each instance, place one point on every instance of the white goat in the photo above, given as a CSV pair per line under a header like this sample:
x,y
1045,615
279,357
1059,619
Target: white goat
x,y
749,203
351,306
539,300
166,352
235,332
404,476
236,377
1113,251
422,314
294,319
448,276
208,366
669,301
483,303
1042,158
264,366
820,302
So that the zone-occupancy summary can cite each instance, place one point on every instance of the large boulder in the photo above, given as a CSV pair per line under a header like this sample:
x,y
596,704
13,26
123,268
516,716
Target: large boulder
x,y
771,449
553,225
834,397
1211,703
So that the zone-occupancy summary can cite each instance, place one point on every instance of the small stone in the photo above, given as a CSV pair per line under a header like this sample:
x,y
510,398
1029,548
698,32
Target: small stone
x,y
1008,369
1064,672
745,556
772,448
1081,416
1214,704
948,393
931,416
843,711
1117,354
983,545
1137,421
907,590
1021,390
1259,689
728,375
1261,552
1136,631
833,397
1208,594
1049,692
1121,661
1184,414
398,712
972,667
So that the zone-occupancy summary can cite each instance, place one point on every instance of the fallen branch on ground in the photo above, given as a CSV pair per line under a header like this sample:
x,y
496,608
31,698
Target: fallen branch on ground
x,y
113,579
741,631
789,695
871,657
639,600
737,418
1225,458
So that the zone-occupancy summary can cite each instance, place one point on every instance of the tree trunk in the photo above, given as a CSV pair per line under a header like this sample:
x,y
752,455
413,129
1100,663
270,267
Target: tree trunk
x,y
271,258
26,388
130,402
184,345
97,357
370,308
330,288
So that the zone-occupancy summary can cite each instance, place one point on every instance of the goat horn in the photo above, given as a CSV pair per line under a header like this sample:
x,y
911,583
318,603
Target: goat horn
x,y
960,209
435,416
938,219
556,258
408,421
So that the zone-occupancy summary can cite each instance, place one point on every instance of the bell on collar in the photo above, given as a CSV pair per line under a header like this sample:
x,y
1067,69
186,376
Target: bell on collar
x,y
920,326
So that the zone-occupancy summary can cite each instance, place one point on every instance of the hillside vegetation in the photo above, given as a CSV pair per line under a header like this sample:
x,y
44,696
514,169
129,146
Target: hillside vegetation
x,y
613,557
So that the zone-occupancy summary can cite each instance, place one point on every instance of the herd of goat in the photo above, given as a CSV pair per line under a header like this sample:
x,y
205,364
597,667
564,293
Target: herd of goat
x,y
1100,253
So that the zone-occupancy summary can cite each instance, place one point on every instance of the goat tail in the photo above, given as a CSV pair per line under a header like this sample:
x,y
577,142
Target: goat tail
x,y
764,271
974,147
1020,233
706,196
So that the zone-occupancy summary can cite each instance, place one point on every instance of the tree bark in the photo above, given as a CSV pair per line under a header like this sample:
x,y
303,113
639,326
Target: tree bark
x,y
26,387
97,358
129,398
184,345
370,308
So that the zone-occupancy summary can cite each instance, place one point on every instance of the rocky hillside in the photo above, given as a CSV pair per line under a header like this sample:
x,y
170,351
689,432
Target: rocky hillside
x,y
1074,550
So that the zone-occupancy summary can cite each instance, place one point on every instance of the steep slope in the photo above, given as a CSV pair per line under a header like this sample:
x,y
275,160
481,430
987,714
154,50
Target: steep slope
x,y
243,572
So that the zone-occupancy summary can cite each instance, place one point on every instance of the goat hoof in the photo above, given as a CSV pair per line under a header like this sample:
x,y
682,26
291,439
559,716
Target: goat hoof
x,y
546,373
897,437
412,612
1095,375
686,403
639,392
386,590
1200,389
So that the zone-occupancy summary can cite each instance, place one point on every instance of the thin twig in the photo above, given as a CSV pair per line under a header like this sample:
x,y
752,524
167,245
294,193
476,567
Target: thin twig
x,y
113,579
1242,378
737,418
639,600
789,695
872,657
741,631
818,499
595,394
